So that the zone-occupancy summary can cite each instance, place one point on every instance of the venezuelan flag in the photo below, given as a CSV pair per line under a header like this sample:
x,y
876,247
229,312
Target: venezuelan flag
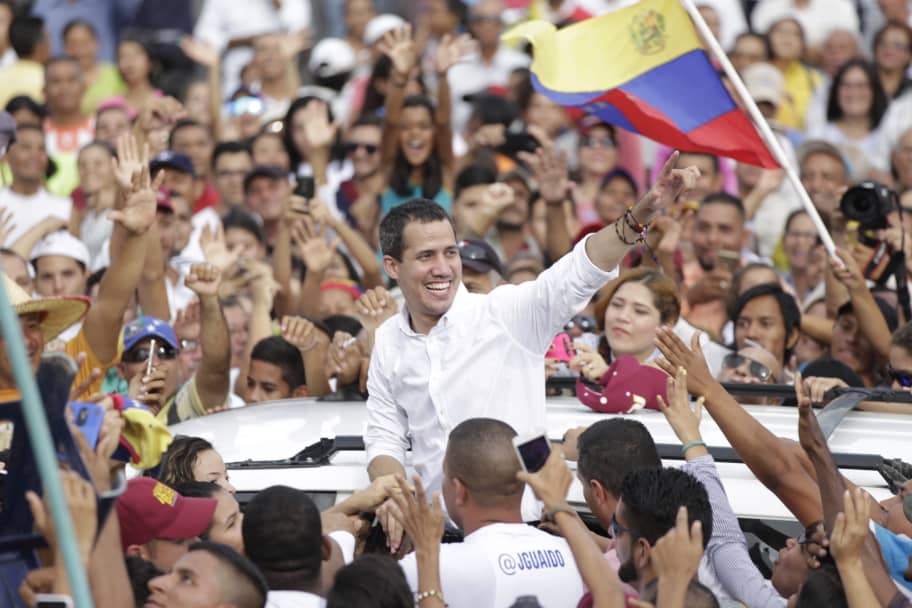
x,y
643,68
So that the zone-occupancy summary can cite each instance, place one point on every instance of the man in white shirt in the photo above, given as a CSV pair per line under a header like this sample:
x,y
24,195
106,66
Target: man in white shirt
x,y
26,198
501,557
490,66
451,355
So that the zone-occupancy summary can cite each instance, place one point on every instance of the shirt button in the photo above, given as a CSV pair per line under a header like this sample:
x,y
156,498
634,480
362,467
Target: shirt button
x,y
603,400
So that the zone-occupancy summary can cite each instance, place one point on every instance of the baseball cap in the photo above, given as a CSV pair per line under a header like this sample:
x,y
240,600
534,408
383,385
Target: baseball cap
x,y
626,387
479,256
264,171
172,160
590,121
148,509
64,244
331,57
524,261
764,83
147,327
380,25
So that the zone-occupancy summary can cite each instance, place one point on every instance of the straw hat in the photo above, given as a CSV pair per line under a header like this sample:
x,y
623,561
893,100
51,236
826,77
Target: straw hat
x,y
60,313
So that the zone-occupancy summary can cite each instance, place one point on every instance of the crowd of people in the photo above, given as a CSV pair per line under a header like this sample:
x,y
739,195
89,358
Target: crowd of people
x,y
210,207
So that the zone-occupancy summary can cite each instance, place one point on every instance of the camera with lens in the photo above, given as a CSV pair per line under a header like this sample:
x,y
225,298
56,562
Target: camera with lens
x,y
869,203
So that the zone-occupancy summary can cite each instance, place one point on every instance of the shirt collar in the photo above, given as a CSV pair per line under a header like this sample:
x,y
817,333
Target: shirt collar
x,y
451,316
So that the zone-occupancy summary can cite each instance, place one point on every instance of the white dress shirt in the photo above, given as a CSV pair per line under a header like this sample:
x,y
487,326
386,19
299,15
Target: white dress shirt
x,y
484,358
500,562
817,19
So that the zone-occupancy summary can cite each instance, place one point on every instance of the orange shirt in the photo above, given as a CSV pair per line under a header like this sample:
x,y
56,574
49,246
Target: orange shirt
x,y
80,344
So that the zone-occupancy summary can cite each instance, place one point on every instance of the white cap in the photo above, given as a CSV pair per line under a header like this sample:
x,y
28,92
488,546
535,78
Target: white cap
x,y
331,57
64,244
764,82
380,25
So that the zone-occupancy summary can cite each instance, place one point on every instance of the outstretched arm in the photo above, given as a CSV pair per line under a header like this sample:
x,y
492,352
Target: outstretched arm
x,y
399,47
212,377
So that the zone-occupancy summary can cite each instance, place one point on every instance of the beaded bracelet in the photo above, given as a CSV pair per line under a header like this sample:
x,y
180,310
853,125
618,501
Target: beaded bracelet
x,y
692,444
425,595
634,225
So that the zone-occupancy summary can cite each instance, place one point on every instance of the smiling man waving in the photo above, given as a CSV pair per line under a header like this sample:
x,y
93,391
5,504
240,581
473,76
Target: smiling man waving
x,y
451,355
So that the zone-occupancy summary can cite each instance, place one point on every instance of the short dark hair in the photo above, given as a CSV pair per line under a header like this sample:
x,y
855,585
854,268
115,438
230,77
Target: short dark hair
x,y
902,337
140,572
186,123
243,585
652,498
349,325
822,589
244,220
767,52
698,594
473,175
724,198
367,120
879,100
24,102
25,33
612,448
62,59
283,536
74,23
278,351
371,581
393,225
229,147
791,314
480,454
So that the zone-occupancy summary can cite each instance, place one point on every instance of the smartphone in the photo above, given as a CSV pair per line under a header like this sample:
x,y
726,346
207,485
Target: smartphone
x,y
561,348
532,452
305,187
88,418
151,356
729,260
53,600
515,143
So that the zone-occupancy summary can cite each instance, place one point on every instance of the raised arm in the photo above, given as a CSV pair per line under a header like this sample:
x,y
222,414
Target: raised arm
x,y
775,464
399,47
450,51
212,377
357,247
208,57
262,291
870,320
550,169
127,258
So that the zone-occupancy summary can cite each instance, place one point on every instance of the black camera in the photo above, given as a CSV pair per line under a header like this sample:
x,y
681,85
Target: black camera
x,y
869,203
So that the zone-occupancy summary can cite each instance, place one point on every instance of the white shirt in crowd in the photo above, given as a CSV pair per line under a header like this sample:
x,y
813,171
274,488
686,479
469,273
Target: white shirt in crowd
x,y
817,19
862,155
473,75
731,19
221,21
29,211
483,359
500,562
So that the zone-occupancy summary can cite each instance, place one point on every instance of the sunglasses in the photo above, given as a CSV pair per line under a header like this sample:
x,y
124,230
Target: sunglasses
x,y
757,370
164,352
485,19
352,147
900,376
596,142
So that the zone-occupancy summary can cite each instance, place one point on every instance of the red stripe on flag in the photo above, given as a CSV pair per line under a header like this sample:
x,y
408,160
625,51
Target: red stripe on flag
x,y
730,134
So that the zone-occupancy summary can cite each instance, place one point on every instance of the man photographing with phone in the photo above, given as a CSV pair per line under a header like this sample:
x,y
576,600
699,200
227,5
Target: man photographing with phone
x,y
451,355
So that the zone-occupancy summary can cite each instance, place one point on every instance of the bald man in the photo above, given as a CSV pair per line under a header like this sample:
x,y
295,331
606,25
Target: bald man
x,y
501,558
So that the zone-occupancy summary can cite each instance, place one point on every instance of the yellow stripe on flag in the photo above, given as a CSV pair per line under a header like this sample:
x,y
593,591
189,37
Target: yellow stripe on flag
x,y
604,52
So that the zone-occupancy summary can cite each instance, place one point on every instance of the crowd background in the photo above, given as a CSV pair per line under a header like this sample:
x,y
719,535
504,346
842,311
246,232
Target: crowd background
x,y
203,183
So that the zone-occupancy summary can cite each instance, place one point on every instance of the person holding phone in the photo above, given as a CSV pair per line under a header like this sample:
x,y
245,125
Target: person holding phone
x,y
451,355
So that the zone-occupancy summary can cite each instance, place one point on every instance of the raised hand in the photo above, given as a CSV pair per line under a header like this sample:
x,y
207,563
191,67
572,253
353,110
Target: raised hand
x,y
80,499
550,169
204,280
149,389
159,113
685,422
817,387
318,130
343,360
187,320
138,212
552,482
422,521
849,273
299,332
676,355
398,45
199,52
851,527
677,554
130,160
313,247
452,50
497,197
670,184
588,362
215,248
374,307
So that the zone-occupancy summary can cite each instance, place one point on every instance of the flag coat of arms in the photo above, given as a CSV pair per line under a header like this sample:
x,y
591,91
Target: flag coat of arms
x,y
643,68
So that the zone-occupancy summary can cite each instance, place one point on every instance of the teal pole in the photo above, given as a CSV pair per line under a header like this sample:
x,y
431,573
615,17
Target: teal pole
x,y
43,447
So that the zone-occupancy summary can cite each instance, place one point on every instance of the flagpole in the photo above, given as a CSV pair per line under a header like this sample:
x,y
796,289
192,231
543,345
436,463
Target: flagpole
x,y
766,133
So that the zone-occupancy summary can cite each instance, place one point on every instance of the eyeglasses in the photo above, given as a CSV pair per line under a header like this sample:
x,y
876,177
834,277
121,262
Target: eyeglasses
x,y
164,352
353,146
900,376
596,142
189,344
757,370
485,19
615,528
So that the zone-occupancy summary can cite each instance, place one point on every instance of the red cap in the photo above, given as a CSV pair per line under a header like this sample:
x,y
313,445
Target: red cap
x,y
626,387
148,509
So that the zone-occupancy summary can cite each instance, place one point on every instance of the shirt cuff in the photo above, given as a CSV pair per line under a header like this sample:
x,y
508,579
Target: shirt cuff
x,y
346,544
589,272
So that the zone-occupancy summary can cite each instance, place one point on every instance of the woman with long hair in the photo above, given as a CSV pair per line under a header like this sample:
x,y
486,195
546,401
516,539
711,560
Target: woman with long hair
x,y
892,56
788,48
80,40
135,65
